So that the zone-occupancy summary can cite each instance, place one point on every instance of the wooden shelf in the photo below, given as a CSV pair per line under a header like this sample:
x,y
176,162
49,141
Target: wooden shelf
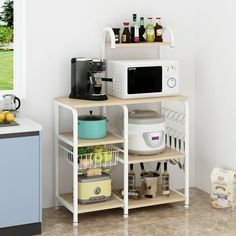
x,y
145,44
167,154
109,139
159,200
174,197
113,101
67,201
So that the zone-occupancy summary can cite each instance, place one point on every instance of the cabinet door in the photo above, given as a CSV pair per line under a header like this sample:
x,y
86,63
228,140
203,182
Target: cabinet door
x,y
19,180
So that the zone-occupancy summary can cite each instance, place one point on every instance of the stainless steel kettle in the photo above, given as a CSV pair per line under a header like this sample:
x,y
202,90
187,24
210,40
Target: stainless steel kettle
x,y
11,102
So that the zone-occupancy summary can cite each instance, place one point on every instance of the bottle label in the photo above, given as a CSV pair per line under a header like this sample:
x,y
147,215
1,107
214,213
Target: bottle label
x,y
136,34
124,38
165,184
116,38
159,32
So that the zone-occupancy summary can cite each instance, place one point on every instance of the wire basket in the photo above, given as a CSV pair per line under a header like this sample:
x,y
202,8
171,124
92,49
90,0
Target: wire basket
x,y
105,159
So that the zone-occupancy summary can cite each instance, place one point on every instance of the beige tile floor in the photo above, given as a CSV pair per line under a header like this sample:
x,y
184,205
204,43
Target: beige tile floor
x,y
170,219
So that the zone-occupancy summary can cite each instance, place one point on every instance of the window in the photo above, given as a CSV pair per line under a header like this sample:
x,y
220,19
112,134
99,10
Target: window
x,y
12,47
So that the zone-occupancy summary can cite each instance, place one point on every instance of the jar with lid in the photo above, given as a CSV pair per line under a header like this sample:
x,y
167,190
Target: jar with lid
x,y
150,32
126,37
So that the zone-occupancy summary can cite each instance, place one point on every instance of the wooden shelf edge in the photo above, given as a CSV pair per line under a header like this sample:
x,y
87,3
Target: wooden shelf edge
x,y
167,154
67,201
143,44
114,101
109,139
160,200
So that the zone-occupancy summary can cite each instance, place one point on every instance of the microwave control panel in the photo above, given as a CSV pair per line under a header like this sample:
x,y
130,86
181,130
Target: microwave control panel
x,y
171,75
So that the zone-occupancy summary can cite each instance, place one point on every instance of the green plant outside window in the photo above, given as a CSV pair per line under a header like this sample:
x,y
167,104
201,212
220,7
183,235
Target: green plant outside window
x,y
6,44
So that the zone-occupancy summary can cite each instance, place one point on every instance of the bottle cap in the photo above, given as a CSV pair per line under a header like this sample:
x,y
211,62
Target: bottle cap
x,y
126,23
149,18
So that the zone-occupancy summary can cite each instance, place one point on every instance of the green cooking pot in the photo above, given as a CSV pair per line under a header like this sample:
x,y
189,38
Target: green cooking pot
x,y
92,126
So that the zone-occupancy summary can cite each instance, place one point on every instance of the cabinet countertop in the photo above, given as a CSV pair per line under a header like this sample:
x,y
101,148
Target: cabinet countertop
x,y
25,125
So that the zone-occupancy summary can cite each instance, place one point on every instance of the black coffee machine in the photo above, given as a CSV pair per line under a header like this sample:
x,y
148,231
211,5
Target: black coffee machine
x,y
86,81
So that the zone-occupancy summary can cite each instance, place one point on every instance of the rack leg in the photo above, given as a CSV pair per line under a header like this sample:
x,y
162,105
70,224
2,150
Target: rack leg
x,y
75,167
186,190
56,154
126,163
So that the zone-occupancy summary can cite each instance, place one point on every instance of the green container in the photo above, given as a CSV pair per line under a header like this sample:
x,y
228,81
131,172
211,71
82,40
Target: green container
x,y
92,126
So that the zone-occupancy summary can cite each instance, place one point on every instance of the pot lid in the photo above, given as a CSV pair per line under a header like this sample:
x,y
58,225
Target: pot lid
x,y
145,116
91,117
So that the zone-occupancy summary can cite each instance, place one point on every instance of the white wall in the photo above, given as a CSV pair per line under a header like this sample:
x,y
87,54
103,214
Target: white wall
x,y
60,30
215,88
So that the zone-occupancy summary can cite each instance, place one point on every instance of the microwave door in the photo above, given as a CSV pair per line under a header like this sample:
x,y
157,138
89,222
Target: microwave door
x,y
144,79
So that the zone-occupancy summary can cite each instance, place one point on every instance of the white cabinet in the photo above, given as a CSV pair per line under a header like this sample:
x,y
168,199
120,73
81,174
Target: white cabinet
x,y
20,179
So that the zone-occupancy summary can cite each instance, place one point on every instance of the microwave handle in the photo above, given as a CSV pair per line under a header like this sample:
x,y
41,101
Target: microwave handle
x,y
107,79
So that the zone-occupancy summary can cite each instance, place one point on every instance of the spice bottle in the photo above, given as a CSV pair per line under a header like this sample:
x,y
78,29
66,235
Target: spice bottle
x,y
158,30
150,33
117,34
165,181
134,30
159,182
142,30
126,33
131,178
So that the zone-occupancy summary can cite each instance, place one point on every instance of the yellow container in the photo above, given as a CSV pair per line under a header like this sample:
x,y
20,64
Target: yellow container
x,y
94,188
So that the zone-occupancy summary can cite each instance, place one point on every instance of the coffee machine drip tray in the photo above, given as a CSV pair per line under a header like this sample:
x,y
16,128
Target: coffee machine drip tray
x,y
99,97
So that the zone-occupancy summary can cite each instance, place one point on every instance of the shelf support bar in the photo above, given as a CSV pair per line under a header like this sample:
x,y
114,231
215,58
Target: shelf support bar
x,y
186,190
107,30
126,161
56,114
171,34
75,166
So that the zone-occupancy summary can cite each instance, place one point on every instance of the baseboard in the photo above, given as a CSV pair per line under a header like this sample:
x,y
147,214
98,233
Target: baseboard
x,y
21,230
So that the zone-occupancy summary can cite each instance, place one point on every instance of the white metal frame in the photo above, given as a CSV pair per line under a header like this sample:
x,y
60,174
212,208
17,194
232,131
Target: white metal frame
x,y
186,129
74,208
124,161
58,199
109,31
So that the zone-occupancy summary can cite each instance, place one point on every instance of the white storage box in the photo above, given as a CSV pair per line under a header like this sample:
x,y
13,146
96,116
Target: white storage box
x,y
223,188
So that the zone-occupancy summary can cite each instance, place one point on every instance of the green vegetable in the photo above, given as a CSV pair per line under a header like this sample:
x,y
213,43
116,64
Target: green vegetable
x,y
83,150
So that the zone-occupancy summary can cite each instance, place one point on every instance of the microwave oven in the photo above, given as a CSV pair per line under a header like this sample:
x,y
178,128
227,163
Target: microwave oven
x,y
143,78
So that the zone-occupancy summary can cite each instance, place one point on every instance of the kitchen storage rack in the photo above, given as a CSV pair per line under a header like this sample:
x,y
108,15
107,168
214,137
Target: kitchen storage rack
x,y
171,153
70,200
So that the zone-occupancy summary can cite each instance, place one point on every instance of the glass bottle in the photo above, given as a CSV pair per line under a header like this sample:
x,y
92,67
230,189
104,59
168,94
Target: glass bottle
x,y
126,33
159,182
142,30
134,30
142,179
165,181
150,33
131,178
158,30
